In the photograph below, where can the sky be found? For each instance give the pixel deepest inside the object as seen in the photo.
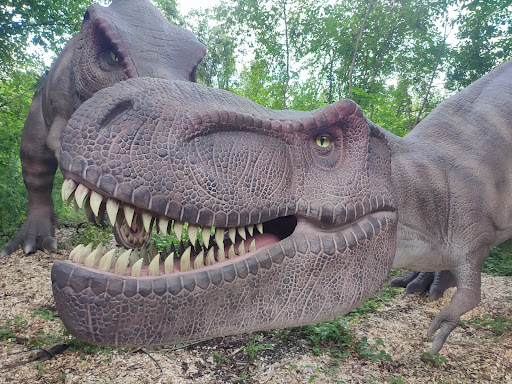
(185, 6)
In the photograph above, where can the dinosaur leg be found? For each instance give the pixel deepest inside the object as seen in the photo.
(465, 299)
(435, 283)
(38, 165)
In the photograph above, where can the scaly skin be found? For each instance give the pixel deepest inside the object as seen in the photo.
(183, 152)
(452, 181)
(130, 38)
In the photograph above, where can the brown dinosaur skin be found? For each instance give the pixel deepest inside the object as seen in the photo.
(106, 51)
(452, 182)
(211, 158)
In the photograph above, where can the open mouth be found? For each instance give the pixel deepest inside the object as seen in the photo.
(198, 246)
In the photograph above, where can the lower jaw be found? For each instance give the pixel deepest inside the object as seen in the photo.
(251, 292)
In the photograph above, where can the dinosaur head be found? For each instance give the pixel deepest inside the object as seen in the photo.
(285, 218)
(127, 39)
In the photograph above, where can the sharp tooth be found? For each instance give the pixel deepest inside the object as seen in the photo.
(146, 220)
(241, 248)
(136, 268)
(205, 234)
(163, 223)
(95, 200)
(82, 254)
(130, 239)
(122, 263)
(199, 260)
(185, 260)
(231, 251)
(142, 240)
(129, 211)
(169, 264)
(192, 233)
(112, 208)
(178, 228)
(250, 229)
(219, 237)
(153, 250)
(94, 257)
(241, 232)
(107, 260)
(154, 266)
(80, 193)
(232, 234)
(252, 246)
(221, 255)
(68, 187)
(75, 250)
(210, 257)
(125, 230)
(259, 227)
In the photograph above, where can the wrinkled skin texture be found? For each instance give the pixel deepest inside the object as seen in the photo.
(128, 39)
(211, 158)
(452, 180)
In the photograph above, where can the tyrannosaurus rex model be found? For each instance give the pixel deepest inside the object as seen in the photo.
(290, 216)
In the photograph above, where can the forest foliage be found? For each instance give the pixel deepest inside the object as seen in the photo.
(396, 58)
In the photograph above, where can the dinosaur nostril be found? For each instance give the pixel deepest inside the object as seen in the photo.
(116, 112)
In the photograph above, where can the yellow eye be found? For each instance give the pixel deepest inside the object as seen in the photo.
(323, 141)
(113, 56)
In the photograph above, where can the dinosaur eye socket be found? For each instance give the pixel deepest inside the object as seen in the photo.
(113, 56)
(323, 141)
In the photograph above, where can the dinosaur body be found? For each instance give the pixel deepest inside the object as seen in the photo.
(106, 51)
(452, 180)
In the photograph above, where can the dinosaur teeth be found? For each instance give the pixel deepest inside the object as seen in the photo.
(146, 221)
(154, 266)
(205, 234)
(241, 232)
(219, 237)
(122, 263)
(107, 260)
(68, 187)
(80, 193)
(185, 260)
(210, 257)
(250, 230)
(259, 227)
(169, 264)
(192, 233)
(252, 246)
(231, 251)
(95, 200)
(112, 208)
(241, 248)
(232, 234)
(199, 260)
(221, 255)
(136, 268)
(129, 212)
(178, 228)
(163, 223)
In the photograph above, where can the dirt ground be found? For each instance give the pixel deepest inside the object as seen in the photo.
(473, 353)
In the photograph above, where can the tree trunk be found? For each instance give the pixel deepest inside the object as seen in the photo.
(287, 80)
(427, 94)
(359, 37)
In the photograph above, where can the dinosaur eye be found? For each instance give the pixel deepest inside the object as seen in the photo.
(113, 56)
(323, 141)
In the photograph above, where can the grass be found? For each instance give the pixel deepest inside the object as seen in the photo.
(499, 262)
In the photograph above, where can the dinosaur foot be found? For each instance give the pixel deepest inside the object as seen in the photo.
(434, 283)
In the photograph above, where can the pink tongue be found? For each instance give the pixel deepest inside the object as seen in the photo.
(261, 241)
